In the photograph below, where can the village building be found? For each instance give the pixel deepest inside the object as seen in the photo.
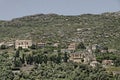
(23, 43)
(94, 64)
(107, 63)
(41, 45)
(84, 56)
(72, 47)
(81, 57)
(76, 57)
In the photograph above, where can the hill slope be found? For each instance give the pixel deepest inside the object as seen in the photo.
(103, 29)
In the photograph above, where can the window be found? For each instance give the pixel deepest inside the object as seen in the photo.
(21, 43)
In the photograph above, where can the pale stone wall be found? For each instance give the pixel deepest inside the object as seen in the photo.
(72, 46)
(23, 43)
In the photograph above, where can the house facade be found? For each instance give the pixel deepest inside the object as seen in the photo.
(72, 47)
(23, 43)
(94, 64)
(107, 62)
(41, 45)
(76, 57)
(81, 57)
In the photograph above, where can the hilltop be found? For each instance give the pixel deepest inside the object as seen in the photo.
(91, 28)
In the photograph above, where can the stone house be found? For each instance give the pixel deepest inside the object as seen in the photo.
(23, 43)
(72, 47)
(41, 45)
(107, 62)
(94, 64)
(81, 57)
(76, 57)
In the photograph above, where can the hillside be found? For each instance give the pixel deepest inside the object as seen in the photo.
(102, 29)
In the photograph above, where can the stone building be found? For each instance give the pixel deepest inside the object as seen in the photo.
(23, 43)
(81, 57)
(72, 47)
(107, 62)
(94, 64)
(76, 57)
(41, 45)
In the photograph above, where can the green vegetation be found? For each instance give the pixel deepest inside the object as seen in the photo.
(5, 67)
(103, 29)
(69, 71)
(37, 64)
(48, 63)
(49, 67)
(109, 56)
